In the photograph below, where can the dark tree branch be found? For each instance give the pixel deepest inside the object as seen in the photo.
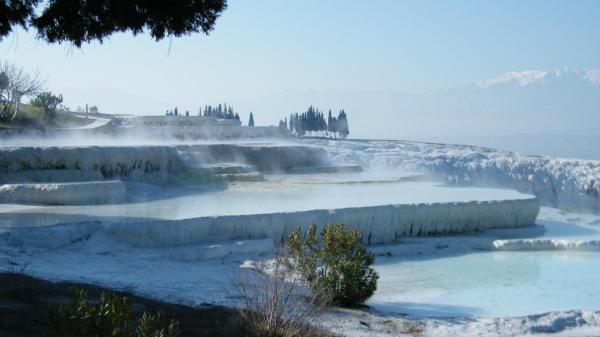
(84, 21)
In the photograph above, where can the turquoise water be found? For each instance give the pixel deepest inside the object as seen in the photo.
(494, 283)
(255, 198)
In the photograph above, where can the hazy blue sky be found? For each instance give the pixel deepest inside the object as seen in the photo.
(262, 48)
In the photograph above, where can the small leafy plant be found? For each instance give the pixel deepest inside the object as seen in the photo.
(337, 267)
(111, 317)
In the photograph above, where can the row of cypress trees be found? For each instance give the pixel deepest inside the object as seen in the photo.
(313, 122)
(219, 111)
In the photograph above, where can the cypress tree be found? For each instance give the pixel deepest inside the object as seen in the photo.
(343, 124)
(251, 120)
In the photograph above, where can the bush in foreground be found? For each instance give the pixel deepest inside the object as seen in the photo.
(337, 267)
(111, 317)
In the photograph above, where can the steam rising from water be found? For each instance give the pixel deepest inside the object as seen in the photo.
(135, 138)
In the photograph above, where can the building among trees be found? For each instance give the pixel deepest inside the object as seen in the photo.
(182, 126)
(220, 111)
(175, 120)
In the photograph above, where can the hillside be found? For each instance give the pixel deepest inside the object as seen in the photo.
(32, 117)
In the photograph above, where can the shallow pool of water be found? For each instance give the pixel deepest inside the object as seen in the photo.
(492, 283)
(495, 283)
(257, 198)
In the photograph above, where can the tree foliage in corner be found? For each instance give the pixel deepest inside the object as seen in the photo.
(84, 21)
(337, 267)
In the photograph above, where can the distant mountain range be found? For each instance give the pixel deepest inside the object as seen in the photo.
(536, 102)
(541, 77)
(534, 111)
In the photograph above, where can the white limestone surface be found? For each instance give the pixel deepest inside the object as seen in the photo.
(74, 193)
(50, 176)
(379, 224)
(182, 275)
(131, 162)
(561, 183)
(546, 244)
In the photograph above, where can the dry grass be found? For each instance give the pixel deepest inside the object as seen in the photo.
(274, 302)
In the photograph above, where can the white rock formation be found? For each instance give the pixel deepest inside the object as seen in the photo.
(50, 176)
(132, 162)
(546, 244)
(270, 158)
(76, 193)
(50, 237)
(562, 183)
(221, 250)
(379, 224)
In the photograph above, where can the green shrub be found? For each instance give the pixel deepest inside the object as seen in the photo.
(338, 267)
(111, 317)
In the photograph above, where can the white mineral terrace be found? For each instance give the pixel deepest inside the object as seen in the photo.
(271, 209)
(177, 240)
(92, 192)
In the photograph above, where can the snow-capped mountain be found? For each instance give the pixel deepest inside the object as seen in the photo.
(541, 77)
(522, 78)
(533, 104)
